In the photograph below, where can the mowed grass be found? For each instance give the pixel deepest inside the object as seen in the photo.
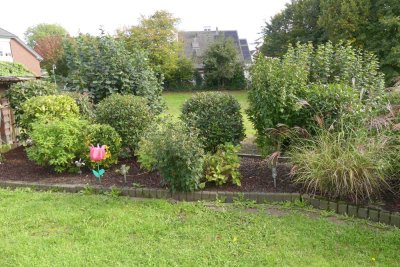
(175, 100)
(58, 229)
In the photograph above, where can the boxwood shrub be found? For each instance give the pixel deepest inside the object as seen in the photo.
(175, 150)
(217, 116)
(129, 115)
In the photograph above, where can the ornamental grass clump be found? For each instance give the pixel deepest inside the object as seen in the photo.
(337, 165)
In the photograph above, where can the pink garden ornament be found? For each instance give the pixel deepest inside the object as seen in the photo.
(97, 154)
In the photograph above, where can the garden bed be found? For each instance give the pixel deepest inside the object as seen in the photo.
(256, 177)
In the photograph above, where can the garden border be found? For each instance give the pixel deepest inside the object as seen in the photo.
(339, 207)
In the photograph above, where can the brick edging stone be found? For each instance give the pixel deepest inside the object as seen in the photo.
(373, 214)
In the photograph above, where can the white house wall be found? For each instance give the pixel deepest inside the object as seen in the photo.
(5, 50)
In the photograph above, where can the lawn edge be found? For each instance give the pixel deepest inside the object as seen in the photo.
(339, 207)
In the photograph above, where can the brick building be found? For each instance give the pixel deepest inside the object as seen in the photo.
(13, 49)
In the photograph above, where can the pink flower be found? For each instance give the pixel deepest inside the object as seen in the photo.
(97, 153)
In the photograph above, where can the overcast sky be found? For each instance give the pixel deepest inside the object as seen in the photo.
(248, 17)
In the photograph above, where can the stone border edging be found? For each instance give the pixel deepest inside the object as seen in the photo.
(372, 214)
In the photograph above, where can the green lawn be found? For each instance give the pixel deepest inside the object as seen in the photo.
(58, 229)
(175, 100)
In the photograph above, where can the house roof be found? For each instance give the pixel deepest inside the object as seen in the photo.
(6, 34)
(196, 43)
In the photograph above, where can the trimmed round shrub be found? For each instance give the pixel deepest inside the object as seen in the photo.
(103, 134)
(341, 165)
(57, 143)
(49, 107)
(217, 116)
(129, 115)
(86, 107)
(175, 150)
(22, 91)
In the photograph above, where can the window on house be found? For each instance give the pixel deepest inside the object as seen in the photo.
(8, 55)
(1, 53)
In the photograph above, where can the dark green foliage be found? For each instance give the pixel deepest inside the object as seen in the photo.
(342, 165)
(217, 116)
(222, 68)
(368, 24)
(175, 150)
(57, 143)
(182, 77)
(86, 107)
(47, 108)
(13, 69)
(103, 134)
(292, 90)
(329, 104)
(223, 165)
(129, 115)
(298, 22)
(102, 66)
(22, 91)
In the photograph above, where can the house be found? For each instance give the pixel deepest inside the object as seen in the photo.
(195, 43)
(13, 49)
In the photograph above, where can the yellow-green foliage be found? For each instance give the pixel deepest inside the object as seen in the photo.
(47, 108)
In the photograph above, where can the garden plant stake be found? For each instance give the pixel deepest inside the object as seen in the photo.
(97, 154)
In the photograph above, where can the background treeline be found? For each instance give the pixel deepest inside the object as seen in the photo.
(151, 46)
(372, 25)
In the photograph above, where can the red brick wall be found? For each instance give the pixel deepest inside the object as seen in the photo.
(22, 55)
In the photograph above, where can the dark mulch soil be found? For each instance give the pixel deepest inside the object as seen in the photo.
(256, 176)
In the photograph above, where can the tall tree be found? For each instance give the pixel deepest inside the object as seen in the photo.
(222, 64)
(35, 33)
(373, 25)
(50, 48)
(157, 35)
(298, 22)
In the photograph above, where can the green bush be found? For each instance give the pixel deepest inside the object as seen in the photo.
(57, 143)
(86, 107)
(47, 108)
(332, 103)
(175, 151)
(103, 134)
(341, 165)
(22, 91)
(103, 66)
(129, 115)
(281, 88)
(217, 116)
(223, 165)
